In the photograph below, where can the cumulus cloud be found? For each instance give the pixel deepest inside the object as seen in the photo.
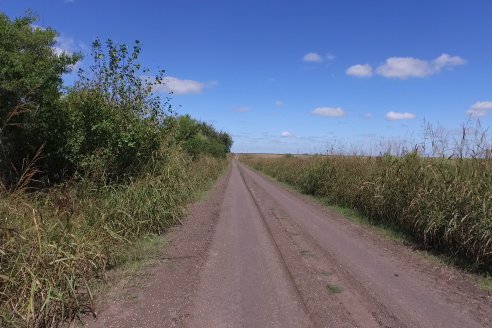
(286, 134)
(181, 87)
(329, 111)
(367, 115)
(446, 60)
(242, 109)
(407, 67)
(312, 57)
(395, 116)
(480, 108)
(279, 103)
(360, 70)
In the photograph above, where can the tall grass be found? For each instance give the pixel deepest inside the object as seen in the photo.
(56, 242)
(444, 203)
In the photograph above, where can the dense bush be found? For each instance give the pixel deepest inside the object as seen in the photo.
(201, 138)
(444, 203)
(115, 121)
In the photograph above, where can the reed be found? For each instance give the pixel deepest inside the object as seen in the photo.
(444, 203)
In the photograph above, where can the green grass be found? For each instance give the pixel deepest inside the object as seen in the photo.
(334, 289)
(306, 253)
(144, 252)
(485, 284)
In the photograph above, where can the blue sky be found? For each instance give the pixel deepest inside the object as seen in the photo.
(292, 76)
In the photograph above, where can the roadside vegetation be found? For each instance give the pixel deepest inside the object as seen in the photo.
(439, 192)
(86, 171)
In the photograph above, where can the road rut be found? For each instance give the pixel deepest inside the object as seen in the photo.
(245, 282)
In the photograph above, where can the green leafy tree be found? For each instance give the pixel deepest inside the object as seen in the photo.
(30, 87)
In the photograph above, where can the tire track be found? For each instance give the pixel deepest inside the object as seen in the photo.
(272, 238)
(317, 277)
(245, 282)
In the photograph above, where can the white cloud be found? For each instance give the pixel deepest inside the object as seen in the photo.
(407, 67)
(360, 70)
(404, 67)
(395, 116)
(312, 57)
(447, 60)
(242, 109)
(367, 115)
(286, 134)
(329, 111)
(480, 108)
(279, 103)
(181, 87)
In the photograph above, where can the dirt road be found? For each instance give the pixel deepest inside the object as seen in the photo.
(273, 258)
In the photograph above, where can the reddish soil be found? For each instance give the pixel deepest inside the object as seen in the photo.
(255, 254)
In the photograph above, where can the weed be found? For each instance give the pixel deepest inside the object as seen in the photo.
(486, 284)
(334, 289)
(307, 253)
